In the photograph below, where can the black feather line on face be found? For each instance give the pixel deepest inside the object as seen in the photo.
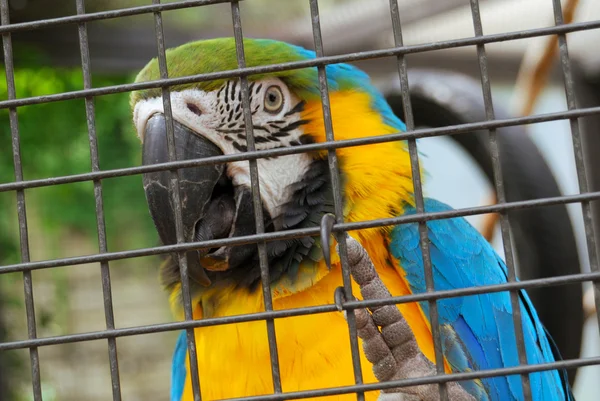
(292, 126)
(296, 109)
(306, 139)
(231, 94)
(261, 139)
(239, 147)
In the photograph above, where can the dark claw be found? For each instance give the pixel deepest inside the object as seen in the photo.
(326, 227)
(339, 297)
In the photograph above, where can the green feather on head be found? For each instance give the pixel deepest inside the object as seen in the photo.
(214, 55)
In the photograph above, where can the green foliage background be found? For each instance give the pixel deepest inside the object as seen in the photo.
(54, 142)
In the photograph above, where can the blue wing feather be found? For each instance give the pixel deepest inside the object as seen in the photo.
(477, 330)
(178, 369)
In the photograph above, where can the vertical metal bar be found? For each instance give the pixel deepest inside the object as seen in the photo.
(256, 199)
(501, 197)
(174, 189)
(337, 194)
(100, 223)
(419, 202)
(21, 207)
(586, 210)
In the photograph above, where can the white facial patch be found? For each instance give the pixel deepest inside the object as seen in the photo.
(219, 117)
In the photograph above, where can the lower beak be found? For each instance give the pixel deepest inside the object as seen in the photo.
(206, 213)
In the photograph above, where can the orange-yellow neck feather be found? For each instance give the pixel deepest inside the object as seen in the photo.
(378, 177)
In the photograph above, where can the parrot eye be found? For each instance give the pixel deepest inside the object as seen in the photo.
(273, 99)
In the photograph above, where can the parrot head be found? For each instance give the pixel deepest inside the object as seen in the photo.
(295, 190)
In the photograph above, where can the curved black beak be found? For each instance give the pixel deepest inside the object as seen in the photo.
(197, 191)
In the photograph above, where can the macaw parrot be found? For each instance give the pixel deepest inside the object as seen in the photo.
(296, 192)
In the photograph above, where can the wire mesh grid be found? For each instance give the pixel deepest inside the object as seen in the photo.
(399, 51)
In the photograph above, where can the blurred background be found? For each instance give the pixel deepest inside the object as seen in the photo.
(54, 142)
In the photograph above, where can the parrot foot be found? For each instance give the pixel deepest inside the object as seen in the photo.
(388, 342)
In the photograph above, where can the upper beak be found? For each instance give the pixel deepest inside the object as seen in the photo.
(205, 215)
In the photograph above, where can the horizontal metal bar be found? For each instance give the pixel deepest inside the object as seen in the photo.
(311, 310)
(445, 378)
(289, 234)
(105, 15)
(338, 144)
(162, 327)
(319, 61)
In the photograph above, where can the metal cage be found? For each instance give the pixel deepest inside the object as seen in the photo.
(399, 51)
